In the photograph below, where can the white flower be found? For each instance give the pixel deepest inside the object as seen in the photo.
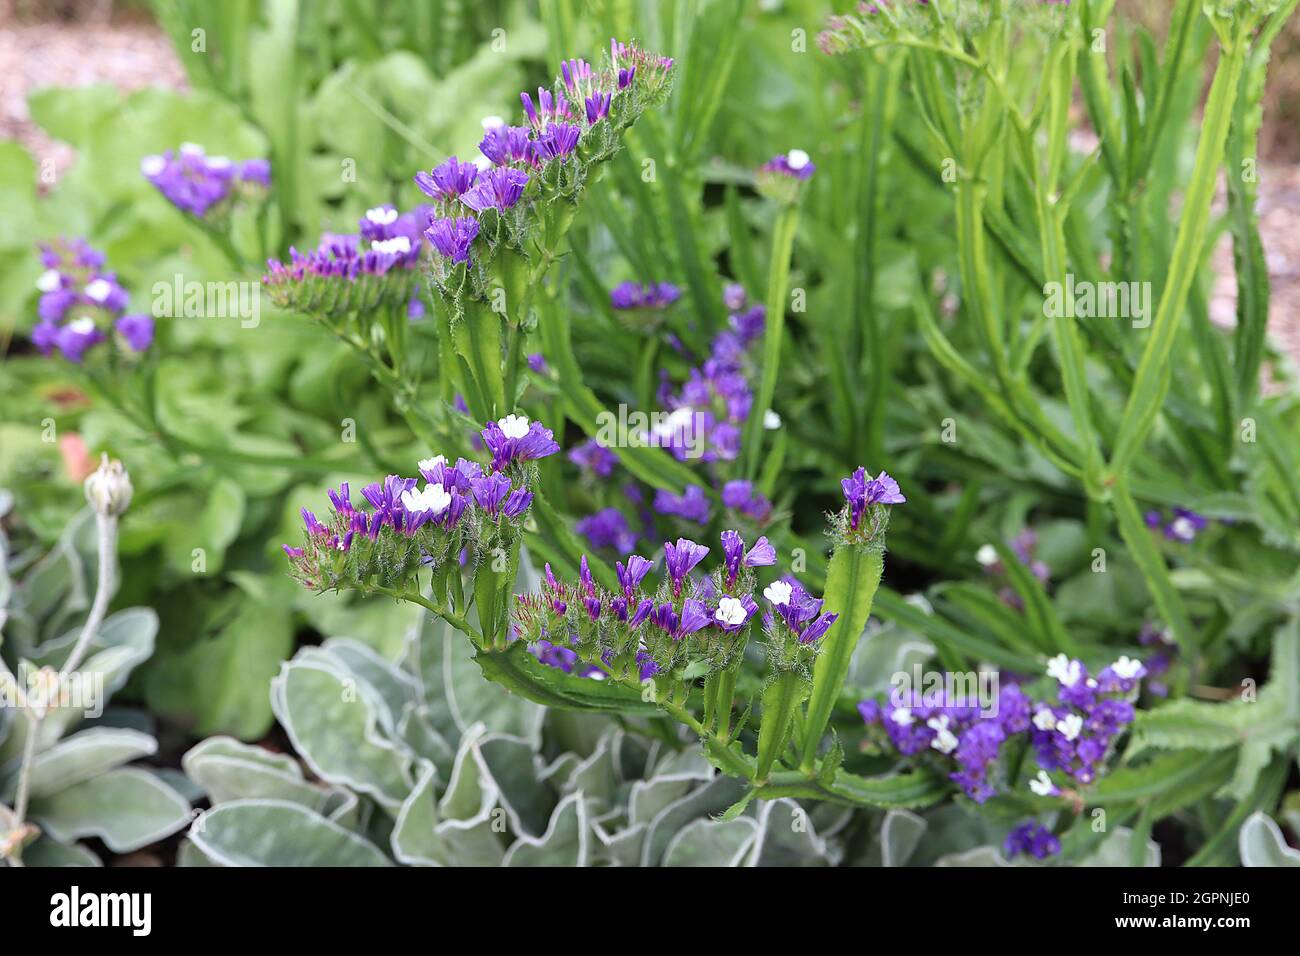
(1064, 670)
(1042, 784)
(191, 149)
(797, 159)
(1126, 668)
(901, 716)
(987, 556)
(944, 741)
(1183, 529)
(730, 611)
(82, 326)
(99, 290)
(771, 420)
(1069, 726)
(482, 163)
(1045, 719)
(219, 162)
(492, 122)
(398, 245)
(49, 281)
(151, 166)
(437, 461)
(382, 215)
(778, 592)
(433, 498)
(514, 426)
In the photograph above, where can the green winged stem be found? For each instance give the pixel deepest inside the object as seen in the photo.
(781, 699)
(851, 583)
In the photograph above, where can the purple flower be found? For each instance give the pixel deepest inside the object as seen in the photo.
(681, 558)
(453, 237)
(593, 459)
(507, 145)
(499, 188)
(191, 180)
(607, 528)
(550, 111)
(597, 107)
(256, 171)
(75, 338)
(537, 362)
(635, 295)
(137, 330)
(514, 439)
(632, 574)
(794, 164)
(692, 505)
(448, 181)
(861, 490)
(762, 554)
(557, 142)
(740, 496)
(577, 76)
(1038, 841)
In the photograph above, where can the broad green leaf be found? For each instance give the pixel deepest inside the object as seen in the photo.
(279, 833)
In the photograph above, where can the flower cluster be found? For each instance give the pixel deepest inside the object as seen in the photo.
(642, 306)
(714, 402)
(81, 304)
(1072, 736)
(569, 127)
(781, 177)
(864, 516)
(354, 273)
(204, 186)
(1182, 524)
(968, 738)
(690, 625)
(1033, 839)
(462, 510)
(1023, 546)
(1160, 661)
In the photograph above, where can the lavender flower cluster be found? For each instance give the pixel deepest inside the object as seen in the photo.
(1024, 546)
(204, 186)
(81, 303)
(691, 624)
(781, 177)
(1072, 736)
(354, 273)
(569, 127)
(1182, 524)
(864, 517)
(460, 509)
(703, 421)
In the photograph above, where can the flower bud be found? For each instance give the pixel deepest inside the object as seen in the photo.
(108, 489)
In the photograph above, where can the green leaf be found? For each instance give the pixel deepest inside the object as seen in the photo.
(1261, 843)
(565, 842)
(126, 808)
(711, 843)
(335, 730)
(229, 770)
(279, 833)
(86, 755)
